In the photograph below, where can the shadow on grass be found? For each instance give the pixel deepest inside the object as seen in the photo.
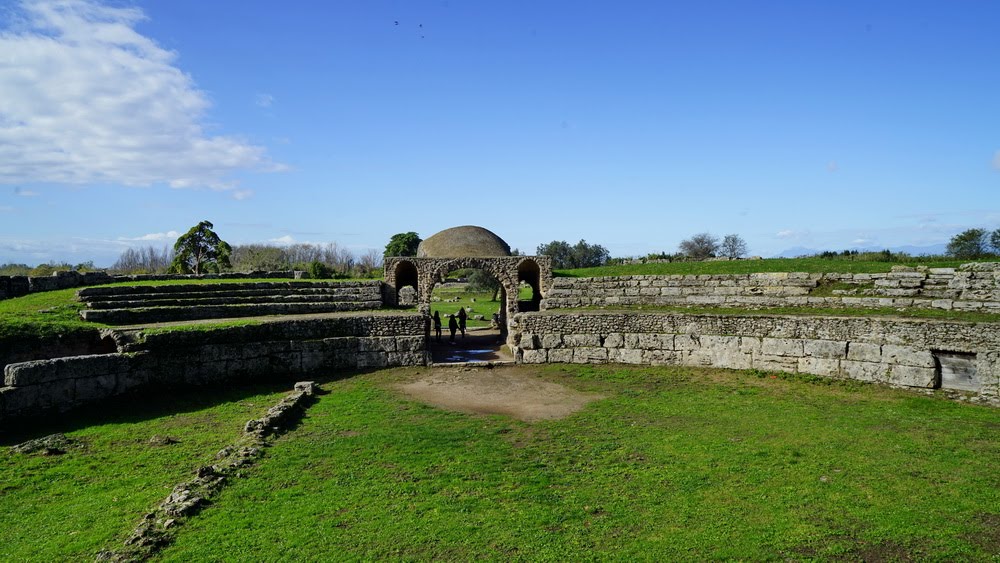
(151, 403)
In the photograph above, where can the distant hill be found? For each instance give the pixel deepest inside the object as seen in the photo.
(934, 249)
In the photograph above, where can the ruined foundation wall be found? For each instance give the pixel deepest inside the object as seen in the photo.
(974, 287)
(911, 353)
(189, 358)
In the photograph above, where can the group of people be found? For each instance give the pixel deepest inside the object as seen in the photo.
(453, 324)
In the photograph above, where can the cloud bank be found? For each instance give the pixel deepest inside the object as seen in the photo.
(87, 99)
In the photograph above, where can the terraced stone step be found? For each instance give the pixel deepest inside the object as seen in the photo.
(89, 292)
(121, 297)
(263, 299)
(188, 313)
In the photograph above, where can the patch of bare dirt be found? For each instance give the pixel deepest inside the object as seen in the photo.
(515, 392)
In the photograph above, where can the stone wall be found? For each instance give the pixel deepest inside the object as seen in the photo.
(974, 287)
(185, 358)
(911, 353)
(18, 286)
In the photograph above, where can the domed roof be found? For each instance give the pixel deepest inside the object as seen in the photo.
(463, 242)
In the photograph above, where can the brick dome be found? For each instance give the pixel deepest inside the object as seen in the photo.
(463, 242)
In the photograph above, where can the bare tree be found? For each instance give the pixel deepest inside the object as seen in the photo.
(143, 260)
(700, 246)
(733, 246)
(369, 261)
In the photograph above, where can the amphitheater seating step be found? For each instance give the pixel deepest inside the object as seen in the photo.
(163, 303)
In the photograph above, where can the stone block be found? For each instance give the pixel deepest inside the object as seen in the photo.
(824, 349)
(410, 344)
(405, 358)
(907, 356)
(552, 341)
(864, 352)
(590, 355)
(647, 341)
(864, 371)
(581, 340)
(534, 356)
(912, 376)
(372, 359)
(18, 401)
(775, 363)
(829, 367)
(529, 341)
(95, 388)
(789, 347)
(377, 344)
(624, 356)
(614, 340)
(750, 345)
(659, 357)
(631, 340)
(561, 355)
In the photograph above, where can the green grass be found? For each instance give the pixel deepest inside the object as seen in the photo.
(68, 507)
(941, 314)
(673, 464)
(481, 306)
(43, 315)
(812, 265)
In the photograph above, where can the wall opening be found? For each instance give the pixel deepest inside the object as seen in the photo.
(480, 295)
(406, 277)
(529, 281)
(956, 370)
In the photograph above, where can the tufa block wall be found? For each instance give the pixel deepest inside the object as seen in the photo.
(190, 358)
(899, 352)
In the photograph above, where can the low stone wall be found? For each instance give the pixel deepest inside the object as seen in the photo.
(18, 286)
(974, 286)
(911, 353)
(187, 358)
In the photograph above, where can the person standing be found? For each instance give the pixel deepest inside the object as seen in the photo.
(462, 316)
(437, 325)
(452, 326)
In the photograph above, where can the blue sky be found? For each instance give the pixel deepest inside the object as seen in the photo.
(824, 125)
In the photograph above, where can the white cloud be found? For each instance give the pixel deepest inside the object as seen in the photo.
(87, 99)
(264, 100)
(996, 160)
(287, 239)
(6, 208)
(169, 235)
(240, 195)
(785, 234)
(860, 241)
(25, 193)
(832, 166)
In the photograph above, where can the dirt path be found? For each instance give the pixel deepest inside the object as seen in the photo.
(516, 392)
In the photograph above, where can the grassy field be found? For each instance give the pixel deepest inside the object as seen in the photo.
(673, 464)
(480, 302)
(68, 507)
(813, 265)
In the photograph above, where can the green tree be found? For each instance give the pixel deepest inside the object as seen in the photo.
(971, 243)
(481, 280)
(403, 244)
(579, 255)
(200, 250)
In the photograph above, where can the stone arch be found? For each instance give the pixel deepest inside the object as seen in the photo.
(405, 274)
(530, 273)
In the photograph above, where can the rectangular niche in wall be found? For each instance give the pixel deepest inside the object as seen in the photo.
(957, 370)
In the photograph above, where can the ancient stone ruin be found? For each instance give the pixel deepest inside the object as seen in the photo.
(310, 328)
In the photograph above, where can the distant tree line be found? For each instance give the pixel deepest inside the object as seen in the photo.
(580, 255)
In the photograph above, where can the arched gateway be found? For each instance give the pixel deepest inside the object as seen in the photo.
(470, 247)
